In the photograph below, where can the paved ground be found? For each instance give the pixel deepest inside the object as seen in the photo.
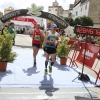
(24, 42)
(48, 94)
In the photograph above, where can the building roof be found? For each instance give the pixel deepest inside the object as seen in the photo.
(55, 6)
(1, 12)
(71, 6)
(78, 1)
(82, 1)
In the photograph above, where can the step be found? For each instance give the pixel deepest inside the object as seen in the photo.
(46, 94)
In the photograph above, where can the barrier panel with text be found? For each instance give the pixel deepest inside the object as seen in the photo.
(90, 55)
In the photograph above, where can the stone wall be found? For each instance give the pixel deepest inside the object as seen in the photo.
(94, 11)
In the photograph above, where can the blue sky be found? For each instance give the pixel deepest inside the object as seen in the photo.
(23, 4)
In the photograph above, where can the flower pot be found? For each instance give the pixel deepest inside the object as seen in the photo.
(3, 66)
(63, 61)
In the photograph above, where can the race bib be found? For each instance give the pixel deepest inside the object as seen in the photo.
(52, 38)
(37, 37)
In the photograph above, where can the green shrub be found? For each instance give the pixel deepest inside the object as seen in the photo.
(6, 53)
(63, 48)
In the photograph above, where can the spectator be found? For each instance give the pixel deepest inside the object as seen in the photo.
(12, 32)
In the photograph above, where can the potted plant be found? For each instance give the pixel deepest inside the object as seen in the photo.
(6, 53)
(63, 50)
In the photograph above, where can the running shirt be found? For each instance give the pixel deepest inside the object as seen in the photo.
(36, 37)
(52, 37)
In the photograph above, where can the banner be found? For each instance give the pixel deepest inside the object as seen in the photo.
(25, 19)
(90, 55)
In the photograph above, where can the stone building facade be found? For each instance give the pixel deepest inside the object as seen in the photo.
(94, 11)
(57, 10)
(7, 10)
(89, 8)
(1, 14)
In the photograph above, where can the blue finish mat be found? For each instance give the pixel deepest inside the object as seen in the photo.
(21, 73)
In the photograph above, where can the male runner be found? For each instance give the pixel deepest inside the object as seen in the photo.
(37, 36)
(51, 40)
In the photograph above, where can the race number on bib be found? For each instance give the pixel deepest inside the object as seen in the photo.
(37, 37)
(52, 38)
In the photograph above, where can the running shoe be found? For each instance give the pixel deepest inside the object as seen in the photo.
(46, 71)
(50, 69)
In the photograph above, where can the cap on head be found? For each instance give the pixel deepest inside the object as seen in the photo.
(53, 25)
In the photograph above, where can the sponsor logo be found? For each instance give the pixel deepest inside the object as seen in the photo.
(88, 53)
(53, 17)
(11, 15)
(35, 10)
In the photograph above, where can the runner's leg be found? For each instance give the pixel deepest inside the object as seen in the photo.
(46, 62)
(37, 49)
(34, 54)
(53, 56)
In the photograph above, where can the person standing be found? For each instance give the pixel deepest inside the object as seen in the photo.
(37, 36)
(51, 40)
(12, 31)
(3, 29)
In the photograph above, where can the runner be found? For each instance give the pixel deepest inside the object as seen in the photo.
(37, 36)
(51, 40)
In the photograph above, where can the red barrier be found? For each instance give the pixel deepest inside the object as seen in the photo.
(71, 42)
(76, 44)
(91, 54)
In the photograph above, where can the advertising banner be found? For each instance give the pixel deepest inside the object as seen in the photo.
(25, 19)
(90, 55)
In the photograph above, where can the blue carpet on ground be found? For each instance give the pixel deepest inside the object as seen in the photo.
(21, 73)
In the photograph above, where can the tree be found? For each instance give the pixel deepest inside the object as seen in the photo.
(70, 21)
(86, 21)
(66, 19)
(77, 21)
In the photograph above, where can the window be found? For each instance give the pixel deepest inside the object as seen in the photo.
(76, 13)
(81, 9)
(49, 9)
(55, 9)
(86, 7)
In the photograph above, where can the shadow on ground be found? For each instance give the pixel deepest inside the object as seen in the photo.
(84, 98)
(61, 67)
(31, 71)
(3, 74)
(48, 87)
